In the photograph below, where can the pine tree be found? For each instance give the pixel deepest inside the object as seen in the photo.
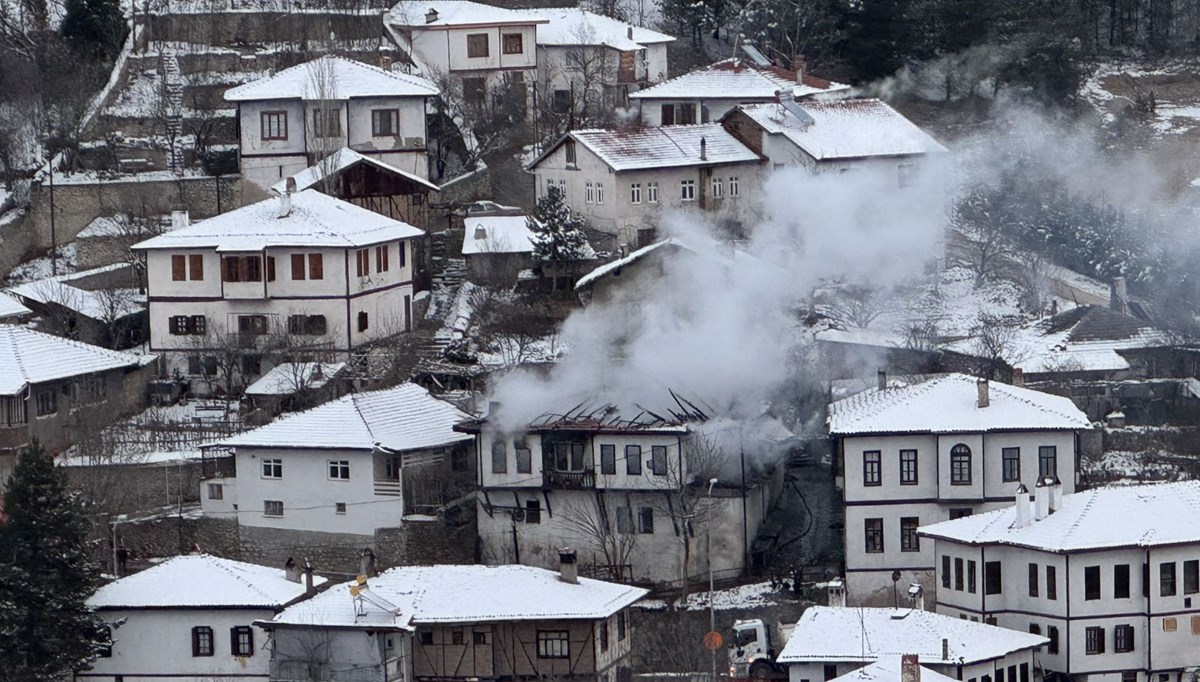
(46, 630)
(557, 231)
(94, 28)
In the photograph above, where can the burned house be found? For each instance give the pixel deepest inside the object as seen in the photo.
(636, 495)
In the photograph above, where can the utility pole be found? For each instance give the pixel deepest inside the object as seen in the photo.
(712, 613)
(53, 232)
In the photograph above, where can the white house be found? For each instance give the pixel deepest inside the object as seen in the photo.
(342, 467)
(834, 136)
(497, 246)
(938, 449)
(622, 180)
(301, 274)
(833, 641)
(707, 94)
(1111, 576)
(191, 618)
(290, 120)
(459, 623)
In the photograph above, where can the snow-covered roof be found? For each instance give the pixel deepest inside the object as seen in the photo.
(1128, 516)
(633, 257)
(11, 307)
(110, 303)
(286, 378)
(496, 234)
(315, 220)
(333, 78)
(340, 161)
(457, 13)
(740, 80)
(845, 129)
(830, 633)
(572, 26)
(887, 669)
(667, 147)
(462, 594)
(948, 404)
(403, 418)
(29, 357)
(199, 581)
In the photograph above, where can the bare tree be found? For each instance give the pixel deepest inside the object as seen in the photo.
(987, 246)
(682, 494)
(995, 342)
(589, 520)
(860, 304)
(113, 308)
(325, 118)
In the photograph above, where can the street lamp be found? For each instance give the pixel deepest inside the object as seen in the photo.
(712, 614)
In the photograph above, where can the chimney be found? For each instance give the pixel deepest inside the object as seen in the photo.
(881, 377)
(629, 33)
(480, 232)
(1021, 505)
(799, 64)
(1041, 500)
(1055, 495)
(568, 570)
(981, 385)
(1119, 299)
(431, 16)
(916, 593)
(285, 199)
(366, 563)
(1018, 376)
(308, 579)
(910, 670)
(703, 150)
(945, 649)
(291, 571)
(837, 593)
(179, 219)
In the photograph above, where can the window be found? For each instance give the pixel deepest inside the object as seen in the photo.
(652, 192)
(1091, 583)
(298, 269)
(273, 125)
(188, 324)
(456, 637)
(960, 574)
(426, 638)
(1169, 625)
(364, 322)
(533, 511)
(599, 192)
(252, 325)
(339, 469)
(327, 122)
(1123, 639)
(206, 365)
(1121, 581)
(241, 641)
(717, 186)
(1047, 461)
(1166, 579)
(608, 459)
(1051, 583)
(733, 186)
(829, 671)
(667, 117)
(658, 460)
(971, 584)
(553, 644)
(908, 467)
(946, 571)
(1033, 580)
(569, 151)
(1094, 640)
(385, 122)
(909, 542)
(202, 641)
(635, 193)
(633, 460)
(479, 637)
(960, 465)
(687, 190)
(310, 325)
(242, 269)
(477, 45)
(1052, 635)
(1010, 459)
(178, 268)
(1195, 625)
(569, 457)
(589, 195)
(871, 468)
(272, 468)
(1035, 629)
(401, 254)
(381, 258)
(1191, 576)
(524, 459)
(216, 491)
(602, 631)
(646, 236)
(874, 536)
(362, 262)
(991, 578)
(47, 403)
(514, 43)
(499, 457)
(959, 512)
(1128, 676)
(474, 91)
(339, 507)
(272, 507)
(621, 626)
(646, 520)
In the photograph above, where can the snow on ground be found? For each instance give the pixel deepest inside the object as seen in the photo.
(160, 434)
(733, 598)
(1120, 467)
(1114, 87)
(40, 267)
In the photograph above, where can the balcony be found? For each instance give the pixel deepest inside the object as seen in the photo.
(388, 488)
(570, 480)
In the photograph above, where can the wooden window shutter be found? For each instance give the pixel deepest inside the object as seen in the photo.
(178, 268)
(316, 266)
(196, 265)
(297, 266)
(231, 269)
(233, 641)
(270, 268)
(195, 641)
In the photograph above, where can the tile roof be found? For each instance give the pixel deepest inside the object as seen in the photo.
(947, 404)
(496, 234)
(737, 79)
(666, 147)
(1128, 516)
(456, 13)
(887, 669)
(340, 161)
(845, 129)
(573, 26)
(830, 633)
(463, 594)
(200, 580)
(632, 258)
(333, 78)
(29, 357)
(287, 377)
(403, 418)
(107, 303)
(315, 220)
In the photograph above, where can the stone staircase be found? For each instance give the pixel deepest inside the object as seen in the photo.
(172, 83)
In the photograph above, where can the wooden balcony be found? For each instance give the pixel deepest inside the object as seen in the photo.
(569, 480)
(388, 488)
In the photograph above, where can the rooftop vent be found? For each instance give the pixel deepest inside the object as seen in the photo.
(431, 16)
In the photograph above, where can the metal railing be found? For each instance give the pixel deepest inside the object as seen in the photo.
(570, 480)
(388, 488)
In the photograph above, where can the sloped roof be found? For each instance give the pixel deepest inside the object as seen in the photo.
(1128, 516)
(829, 633)
(199, 581)
(666, 147)
(403, 418)
(887, 669)
(11, 307)
(574, 26)
(315, 220)
(463, 594)
(947, 404)
(737, 79)
(457, 13)
(500, 234)
(632, 258)
(846, 129)
(333, 78)
(100, 304)
(29, 357)
(340, 161)
(287, 377)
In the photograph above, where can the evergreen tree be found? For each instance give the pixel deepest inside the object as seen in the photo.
(46, 630)
(94, 28)
(557, 231)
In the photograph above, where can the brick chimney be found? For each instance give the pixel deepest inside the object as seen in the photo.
(703, 150)
(568, 569)
(366, 563)
(291, 571)
(881, 379)
(984, 398)
(910, 669)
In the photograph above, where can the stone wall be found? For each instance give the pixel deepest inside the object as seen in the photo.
(225, 28)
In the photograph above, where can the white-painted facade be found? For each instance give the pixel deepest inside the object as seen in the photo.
(297, 652)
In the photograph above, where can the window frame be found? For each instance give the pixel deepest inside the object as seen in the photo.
(909, 540)
(553, 644)
(608, 459)
(1035, 572)
(733, 185)
(507, 38)
(268, 505)
(204, 641)
(1122, 581)
(635, 193)
(338, 469)
(1168, 575)
(993, 578)
(909, 467)
(687, 190)
(1052, 457)
(1051, 582)
(1093, 637)
(658, 460)
(389, 115)
(238, 646)
(1123, 638)
(633, 464)
(652, 192)
(872, 468)
(1092, 590)
(1013, 476)
(960, 464)
(265, 119)
(474, 42)
(873, 536)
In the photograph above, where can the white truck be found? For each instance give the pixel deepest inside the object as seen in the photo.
(752, 649)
